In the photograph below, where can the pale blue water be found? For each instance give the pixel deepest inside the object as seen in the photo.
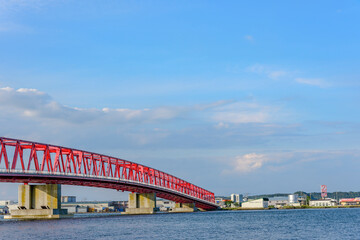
(271, 224)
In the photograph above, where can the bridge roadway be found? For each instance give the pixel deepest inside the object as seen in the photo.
(33, 162)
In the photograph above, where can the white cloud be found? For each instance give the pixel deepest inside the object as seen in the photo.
(268, 71)
(9, 9)
(8, 89)
(241, 117)
(241, 112)
(276, 74)
(33, 103)
(34, 115)
(14, 28)
(40, 106)
(249, 162)
(7, 6)
(28, 90)
(286, 160)
(312, 81)
(257, 68)
(222, 125)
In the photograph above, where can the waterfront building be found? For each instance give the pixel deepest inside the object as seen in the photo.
(302, 200)
(6, 206)
(4, 209)
(95, 206)
(236, 198)
(70, 209)
(164, 205)
(278, 202)
(327, 202)
(80, 209)
(349, 201)
(293, 198)
(75, 209)
(220, 201)
(68, 199)
(6, 202)
(258, 203)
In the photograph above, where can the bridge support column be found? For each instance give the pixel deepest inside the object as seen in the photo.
(141, 203)
(39, 202)
(183, 207)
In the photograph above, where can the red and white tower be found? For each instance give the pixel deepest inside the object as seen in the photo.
(323, 191)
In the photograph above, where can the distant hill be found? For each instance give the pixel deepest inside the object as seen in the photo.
(313, 195)
(269, 195)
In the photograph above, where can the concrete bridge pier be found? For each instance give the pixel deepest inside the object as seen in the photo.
(184, 207)
(39, 202)
(141, 203)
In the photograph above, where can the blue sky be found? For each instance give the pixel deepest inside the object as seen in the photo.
(254, 97)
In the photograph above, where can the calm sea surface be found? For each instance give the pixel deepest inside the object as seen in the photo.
(271, 224)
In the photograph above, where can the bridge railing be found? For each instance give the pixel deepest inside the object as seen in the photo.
(25, 157)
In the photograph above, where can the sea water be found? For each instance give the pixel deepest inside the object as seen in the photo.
(266, 224)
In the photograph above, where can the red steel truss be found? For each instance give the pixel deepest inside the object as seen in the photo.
(32, 162)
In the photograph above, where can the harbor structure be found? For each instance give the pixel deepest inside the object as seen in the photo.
(293, 198)
(349, 201)
(236, 198)
(278, 202)
(67, 199)
(165, 205)
(326, 202)
(257, 203)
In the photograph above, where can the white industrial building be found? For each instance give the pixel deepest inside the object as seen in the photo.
(81, 207)
(6, 206)
(4, 209)
(6, 202)
(278, 202)
(327, 202)
(258, 203)
(220, 201)
(293, 198)
(236, 198)
(164, 205)
(68, 199)
(75, 209)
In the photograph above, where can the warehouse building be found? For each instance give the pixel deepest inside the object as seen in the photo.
(95, 206)
(258, 203)
(164, 205)
(327, 202)
(349, 201)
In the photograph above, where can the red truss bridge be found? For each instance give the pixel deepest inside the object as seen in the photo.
(31, 162)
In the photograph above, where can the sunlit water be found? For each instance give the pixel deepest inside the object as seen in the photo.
(271, 224)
